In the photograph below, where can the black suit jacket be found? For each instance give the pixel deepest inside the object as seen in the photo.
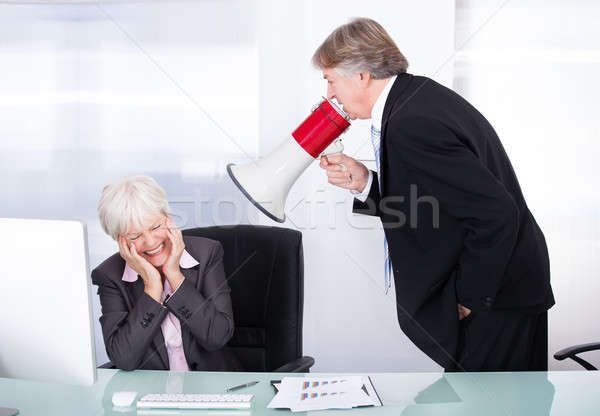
(456, 222)
(131, 319)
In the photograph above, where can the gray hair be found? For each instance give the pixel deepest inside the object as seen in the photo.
(130, 200)
(362, 45)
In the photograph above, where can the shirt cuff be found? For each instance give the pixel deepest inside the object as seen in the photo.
(362, 196)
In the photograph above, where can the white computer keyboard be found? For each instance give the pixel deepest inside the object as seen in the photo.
(195, 401)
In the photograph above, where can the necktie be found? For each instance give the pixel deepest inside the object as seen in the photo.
(376, 140)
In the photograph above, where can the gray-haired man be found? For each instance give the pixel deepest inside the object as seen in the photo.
(458, 231)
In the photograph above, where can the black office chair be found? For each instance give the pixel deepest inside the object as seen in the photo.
(265, 270)
(571, 352)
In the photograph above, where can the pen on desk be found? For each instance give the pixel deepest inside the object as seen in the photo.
(241, 386)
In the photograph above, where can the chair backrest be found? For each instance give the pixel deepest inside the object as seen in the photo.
(265, 270)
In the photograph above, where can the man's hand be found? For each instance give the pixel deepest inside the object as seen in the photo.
(170, 268)
(345, 172)
(150, 275)
(463, 312)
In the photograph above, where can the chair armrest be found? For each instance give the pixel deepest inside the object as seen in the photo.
(107, 365)
(300, 365)
(570, 352)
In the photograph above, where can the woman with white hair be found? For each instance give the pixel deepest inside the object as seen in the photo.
(165, 300)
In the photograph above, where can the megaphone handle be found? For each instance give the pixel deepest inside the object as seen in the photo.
(335, 148)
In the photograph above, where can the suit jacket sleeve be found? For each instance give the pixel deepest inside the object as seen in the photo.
(444, 167)
(371, 204)
(127, 334)
(206, 310)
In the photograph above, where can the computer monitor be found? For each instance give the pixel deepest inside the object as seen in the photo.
(46, 327)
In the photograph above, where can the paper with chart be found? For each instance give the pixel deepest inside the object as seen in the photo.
(318, 393)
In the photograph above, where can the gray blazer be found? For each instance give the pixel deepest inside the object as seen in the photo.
(131, 319)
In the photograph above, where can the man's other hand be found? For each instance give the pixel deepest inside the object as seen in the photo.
(463, 312)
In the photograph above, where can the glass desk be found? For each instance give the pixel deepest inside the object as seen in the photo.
(488, 394)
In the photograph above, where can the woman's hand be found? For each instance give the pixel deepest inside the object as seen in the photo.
(150, 275)
(170, 267)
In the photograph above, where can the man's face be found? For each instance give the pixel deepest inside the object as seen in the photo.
(350, 92)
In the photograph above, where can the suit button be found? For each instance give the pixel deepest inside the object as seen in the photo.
(488, 301)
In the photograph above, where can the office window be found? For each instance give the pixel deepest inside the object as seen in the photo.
(92, 92)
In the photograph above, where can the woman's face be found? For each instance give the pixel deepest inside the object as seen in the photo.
(151, 241)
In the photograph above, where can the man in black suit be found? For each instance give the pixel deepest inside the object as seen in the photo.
(470, 264)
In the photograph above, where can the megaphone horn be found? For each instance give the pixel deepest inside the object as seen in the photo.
(267, 182)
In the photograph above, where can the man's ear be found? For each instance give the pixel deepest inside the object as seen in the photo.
(365, 78)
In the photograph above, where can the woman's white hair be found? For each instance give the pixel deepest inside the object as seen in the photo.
(130, 201)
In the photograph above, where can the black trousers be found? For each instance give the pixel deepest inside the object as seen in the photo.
(503, 340)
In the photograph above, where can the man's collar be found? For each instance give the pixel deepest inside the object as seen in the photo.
(377, 111)
(400, 92)
(186, 262)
